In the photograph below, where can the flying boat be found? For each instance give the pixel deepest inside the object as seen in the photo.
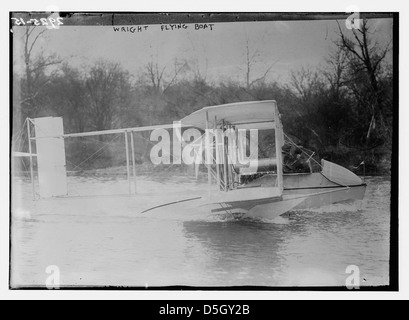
(272, 183)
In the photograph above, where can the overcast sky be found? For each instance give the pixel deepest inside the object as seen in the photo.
(218, 53)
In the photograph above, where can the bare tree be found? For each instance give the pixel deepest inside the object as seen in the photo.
(307, 83)
(335, 71)
(159, 79)
(252, 57)
(155, 75)
(178, 68)
(70, 96)
(35, 79)
(106, 84)
(199, 74)
(366, 55)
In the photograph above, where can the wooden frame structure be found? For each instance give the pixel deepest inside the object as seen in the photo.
(259, 114)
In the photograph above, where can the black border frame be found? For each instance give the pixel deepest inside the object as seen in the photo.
(145, 18)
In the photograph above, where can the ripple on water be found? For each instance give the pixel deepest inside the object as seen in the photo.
(106, 241)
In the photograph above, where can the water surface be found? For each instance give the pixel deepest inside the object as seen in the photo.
(104, 240)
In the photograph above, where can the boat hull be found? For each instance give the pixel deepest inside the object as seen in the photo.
(261, 199)
(318, 197)
(304, 199)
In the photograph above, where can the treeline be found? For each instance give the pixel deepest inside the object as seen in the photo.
(342, 109)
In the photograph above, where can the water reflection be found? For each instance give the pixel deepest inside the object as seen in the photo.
(244, 252)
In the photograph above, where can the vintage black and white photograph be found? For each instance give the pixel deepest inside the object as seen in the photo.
(202, 150)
